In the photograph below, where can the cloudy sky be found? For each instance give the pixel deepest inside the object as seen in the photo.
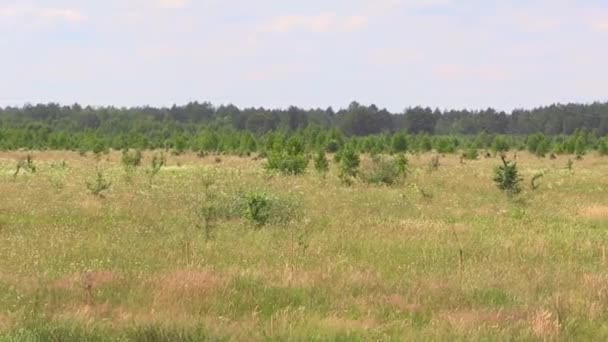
(313, 53)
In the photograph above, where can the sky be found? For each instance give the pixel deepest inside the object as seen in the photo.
(448, 54)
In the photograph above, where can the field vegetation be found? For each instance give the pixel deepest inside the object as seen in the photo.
(357, 240)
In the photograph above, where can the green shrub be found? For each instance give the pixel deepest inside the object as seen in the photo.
(603, 147)
(157, 163)
(506, 177)
(288, 158)
(262, 208)
(349, 164)
(383, 172)
(402, 164)
(99, 185)
(292, 164)
(131, 158)
(470, 154)
(321, 162)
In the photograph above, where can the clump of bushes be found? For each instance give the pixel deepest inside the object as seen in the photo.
(289, 159)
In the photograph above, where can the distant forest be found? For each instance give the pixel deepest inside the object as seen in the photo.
(55, 126)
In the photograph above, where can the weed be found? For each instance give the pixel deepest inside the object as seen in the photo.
(434, 163)
(535, 181)
(26, 164)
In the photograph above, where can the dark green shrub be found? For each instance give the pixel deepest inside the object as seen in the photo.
(262, 208)
(321, 162)
(284, 162)
(349, 164)
(602, 147)
(506, 177)
(402, 164)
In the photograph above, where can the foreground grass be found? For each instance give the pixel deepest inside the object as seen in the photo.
(444, 256)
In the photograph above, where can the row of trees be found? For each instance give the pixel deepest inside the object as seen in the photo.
(310, 139)
(355, 120)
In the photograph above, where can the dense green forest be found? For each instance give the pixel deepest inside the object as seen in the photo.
(202, 127)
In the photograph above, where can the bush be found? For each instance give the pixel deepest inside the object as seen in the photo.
(99, 185)
(402, 164)
(506, 177)
(289, 159)
(349, 164)
(603, 147)
(383, 171)
(321, 163)
(470, 154)
(158, 161)
(292, 164)
(262, 208)
(131, 158)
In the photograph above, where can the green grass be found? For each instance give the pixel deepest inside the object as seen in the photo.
(358, 262)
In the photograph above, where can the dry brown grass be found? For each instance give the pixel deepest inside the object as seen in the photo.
(475, 318)
(87, 280)
(545, 324)
(597, 212)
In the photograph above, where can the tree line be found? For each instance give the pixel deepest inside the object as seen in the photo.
(206, 128)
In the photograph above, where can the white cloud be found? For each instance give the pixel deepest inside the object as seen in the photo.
(395, 56)
(173, 3)
(14, 14)
(324, 22)
(600, 24)
(458, 72)
(536, 23)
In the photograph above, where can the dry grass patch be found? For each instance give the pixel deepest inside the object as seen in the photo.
(402, 304)
(471, 319)
(545, 324)
(88, 280)
(597, 212)
(345, 324)
(185, 285)
(5, 322)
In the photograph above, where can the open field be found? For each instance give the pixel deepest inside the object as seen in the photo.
(444, 256)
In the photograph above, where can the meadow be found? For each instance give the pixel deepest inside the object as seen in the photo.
(442, 255)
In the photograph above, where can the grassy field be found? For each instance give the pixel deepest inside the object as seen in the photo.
(444, 256)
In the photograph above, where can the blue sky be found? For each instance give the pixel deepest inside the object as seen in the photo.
(313, 53)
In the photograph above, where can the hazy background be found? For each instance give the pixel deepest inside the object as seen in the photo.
(314, 53)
